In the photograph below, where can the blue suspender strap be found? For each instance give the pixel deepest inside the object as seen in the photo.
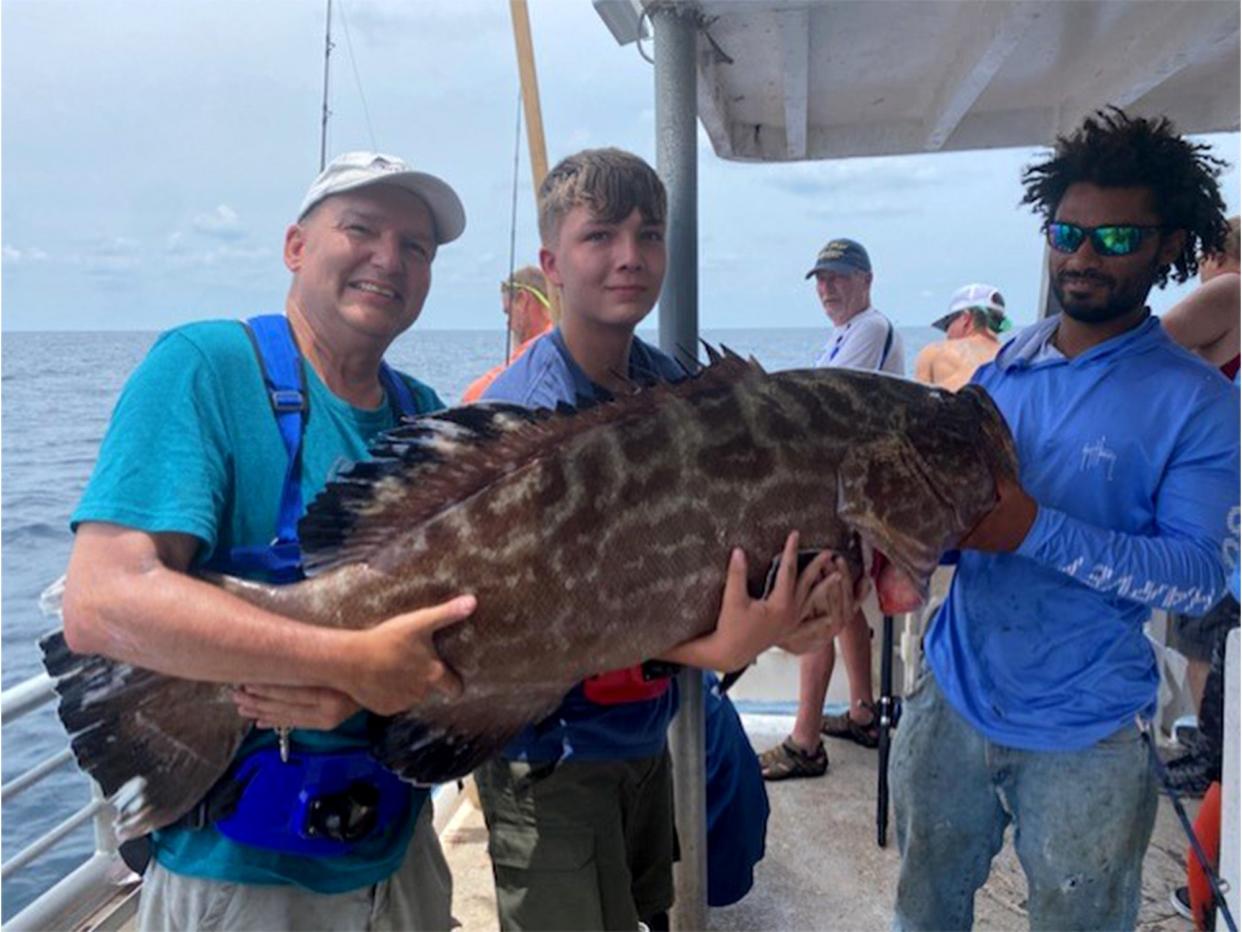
(286, 390)
(400, 398)
(285, 382)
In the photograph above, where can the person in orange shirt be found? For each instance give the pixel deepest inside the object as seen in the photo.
(524, 300)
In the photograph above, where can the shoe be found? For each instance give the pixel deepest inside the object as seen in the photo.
(1186, 731)
(1188, 776)
(787, 761)
(1180, 898)
(842, 726)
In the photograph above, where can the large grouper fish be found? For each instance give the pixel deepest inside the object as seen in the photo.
(594, 538)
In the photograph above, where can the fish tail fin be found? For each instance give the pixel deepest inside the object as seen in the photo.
(154, 744)
(52, 599)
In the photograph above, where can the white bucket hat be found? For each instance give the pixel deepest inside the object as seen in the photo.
(355, 170)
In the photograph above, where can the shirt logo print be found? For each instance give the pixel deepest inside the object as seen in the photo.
(1098, 456)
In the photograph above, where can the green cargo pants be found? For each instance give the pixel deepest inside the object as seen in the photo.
(579, 845)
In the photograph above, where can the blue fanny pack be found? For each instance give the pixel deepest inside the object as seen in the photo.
(313, 804)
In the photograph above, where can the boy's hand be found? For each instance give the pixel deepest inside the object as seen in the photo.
(828, 604)
(746, 627)
(394, 665)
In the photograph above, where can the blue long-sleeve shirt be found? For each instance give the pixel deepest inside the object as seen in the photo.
(1131, 451)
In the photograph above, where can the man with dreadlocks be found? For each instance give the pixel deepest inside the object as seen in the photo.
(1037, 665)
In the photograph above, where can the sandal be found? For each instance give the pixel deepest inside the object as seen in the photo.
(842, 726)
(787, 760)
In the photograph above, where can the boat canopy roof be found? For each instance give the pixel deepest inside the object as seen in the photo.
(786, 80)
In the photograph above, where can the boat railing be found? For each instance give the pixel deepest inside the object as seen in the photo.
(103, 876)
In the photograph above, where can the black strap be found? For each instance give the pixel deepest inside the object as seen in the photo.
(888, 345)
(219, 802)
(656, 669)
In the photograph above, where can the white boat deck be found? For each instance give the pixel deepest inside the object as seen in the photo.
(823, 869)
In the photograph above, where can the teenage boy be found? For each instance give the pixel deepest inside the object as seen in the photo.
(580, 806)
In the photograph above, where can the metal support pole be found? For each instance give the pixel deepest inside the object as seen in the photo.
(676, 28)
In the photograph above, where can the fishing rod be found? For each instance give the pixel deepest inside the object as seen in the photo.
(509, 290)
(327, 55)
(1218, 892)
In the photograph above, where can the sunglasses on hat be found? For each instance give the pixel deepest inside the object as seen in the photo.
(1113, 240)
(510, 287)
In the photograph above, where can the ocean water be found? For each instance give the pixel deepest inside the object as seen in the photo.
(58, 390)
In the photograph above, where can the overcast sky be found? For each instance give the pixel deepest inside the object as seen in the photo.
(153, 153)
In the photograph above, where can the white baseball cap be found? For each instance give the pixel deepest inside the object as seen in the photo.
(355, 170)
(976, 295)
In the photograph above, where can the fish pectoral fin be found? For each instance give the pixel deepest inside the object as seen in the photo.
(884, 495)
(154, 744)
(434, 744)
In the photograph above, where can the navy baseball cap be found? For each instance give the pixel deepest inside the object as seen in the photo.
(841, 255)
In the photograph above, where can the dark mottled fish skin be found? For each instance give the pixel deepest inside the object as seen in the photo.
(593, 539)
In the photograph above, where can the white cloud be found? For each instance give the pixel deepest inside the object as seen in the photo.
(109, 257)
(222, 223)
(224, 254)
(14, 256)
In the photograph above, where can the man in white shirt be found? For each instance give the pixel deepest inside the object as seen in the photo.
(861, 338)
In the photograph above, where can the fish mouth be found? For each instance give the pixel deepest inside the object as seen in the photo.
(896, 590)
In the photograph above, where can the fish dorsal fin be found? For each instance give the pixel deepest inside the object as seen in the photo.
(338, 520)
(430, 463)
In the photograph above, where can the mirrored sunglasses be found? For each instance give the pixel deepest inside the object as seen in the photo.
(1114, 240)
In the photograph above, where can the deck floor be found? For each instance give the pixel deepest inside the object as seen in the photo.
(823, 869)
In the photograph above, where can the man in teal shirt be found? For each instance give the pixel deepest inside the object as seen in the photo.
(193, 466)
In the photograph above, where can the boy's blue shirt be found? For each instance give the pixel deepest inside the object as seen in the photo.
(542, 377)
(193, 448)
(1131, 452)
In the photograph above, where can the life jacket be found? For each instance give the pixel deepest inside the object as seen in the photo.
(638, 683)
(322, 803)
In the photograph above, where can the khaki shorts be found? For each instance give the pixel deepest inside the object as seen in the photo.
(419, 896)
(579, 845)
